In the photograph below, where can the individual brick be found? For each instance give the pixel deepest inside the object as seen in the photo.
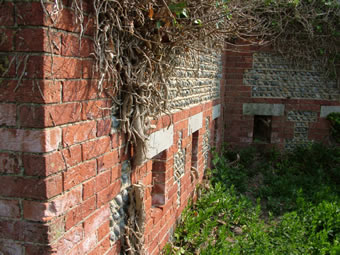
(8, 114)
(30, 140)
(79, 174)
(79, 133)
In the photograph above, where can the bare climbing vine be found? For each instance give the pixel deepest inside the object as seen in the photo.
(134, 229)
(137, 43)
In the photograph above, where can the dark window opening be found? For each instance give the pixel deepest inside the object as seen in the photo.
(194, 152)
(262, 129)
(158, 179)
(215, 132)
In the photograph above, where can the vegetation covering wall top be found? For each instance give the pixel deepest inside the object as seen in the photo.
(137, 41)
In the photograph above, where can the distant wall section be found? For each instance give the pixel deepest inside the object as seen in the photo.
(260, 83)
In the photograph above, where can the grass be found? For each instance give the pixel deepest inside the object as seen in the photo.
(266, 203)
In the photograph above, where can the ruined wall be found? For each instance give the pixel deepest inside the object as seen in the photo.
(264, 87)
(64, 175)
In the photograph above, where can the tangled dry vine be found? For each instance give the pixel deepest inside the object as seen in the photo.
(137, 43)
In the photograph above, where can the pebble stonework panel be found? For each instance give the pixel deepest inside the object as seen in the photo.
(272, 76)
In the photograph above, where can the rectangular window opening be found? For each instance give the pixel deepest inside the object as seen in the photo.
(262, 129)
(215, 132)
(194, 152)
(158, 178)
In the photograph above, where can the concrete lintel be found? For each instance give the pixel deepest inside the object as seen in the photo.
(160, 141)
(216, 112)
(325, 110)
(264, 109)
(195, 123)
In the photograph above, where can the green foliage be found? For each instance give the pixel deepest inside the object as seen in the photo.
(4, 64)
(334, 119)
(293, 209)
(180, 9)
(315, 169)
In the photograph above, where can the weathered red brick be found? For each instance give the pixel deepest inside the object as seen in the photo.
(117, 140)
(79, 90)
(40, 211)
(115, 249)
(56, 228)
(79, 213)
(89, 188)
(92, 223)
(62, 67)
(31, 187)
(108, 160)
(8, 69)
(72, 155)
(44, 40)
(79, 133)
(96, 109)
(89, 241)
(30, 13)
(107, 194)
(103, 180)
(65, 21)
(43, 165)
(9, 208)
(33, 249)
(11, 248)
(30, 140)
(95, 148)
(80, 173)
(49, 115)
(88, 70)
(90, 24)
(7, 14)
(6, 41)
(116, 173)
(102, 247)
(23, 231)
(49, 67)
(31, 91)
(103, 127)
(9, 163)
(103, 230)
(24, 40)
(73, 47)
(8, 114)
(69, 240)
(87, 47)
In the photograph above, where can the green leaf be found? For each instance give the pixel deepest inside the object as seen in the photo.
(179, 9)
(198, 22)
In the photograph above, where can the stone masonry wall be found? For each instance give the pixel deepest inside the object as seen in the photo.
(259, 82)
(64, 175)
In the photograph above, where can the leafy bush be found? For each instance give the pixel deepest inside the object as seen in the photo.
(334, 119)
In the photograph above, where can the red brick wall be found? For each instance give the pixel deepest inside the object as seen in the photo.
(60, 164)
(239, 127)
